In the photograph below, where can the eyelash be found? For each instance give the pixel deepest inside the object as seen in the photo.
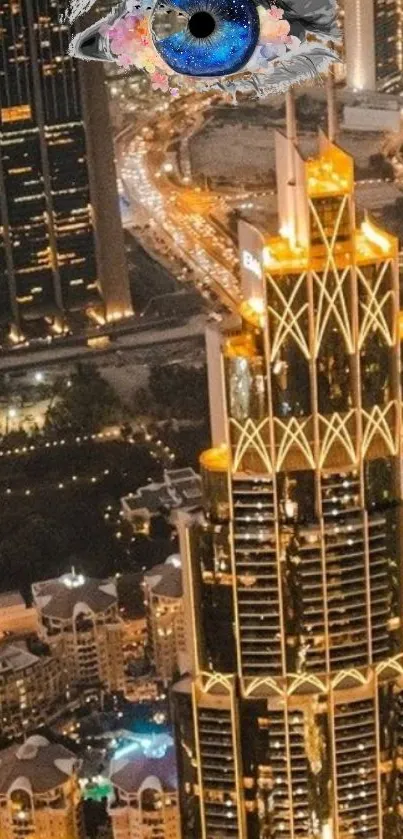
(273, 51)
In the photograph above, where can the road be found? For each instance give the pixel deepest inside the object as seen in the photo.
(193, 329)
(180, 219)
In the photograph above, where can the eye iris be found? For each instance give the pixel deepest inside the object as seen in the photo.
(201, 25)
(205, 37)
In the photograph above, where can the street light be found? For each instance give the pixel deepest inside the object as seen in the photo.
(10, 414)
(38, 376)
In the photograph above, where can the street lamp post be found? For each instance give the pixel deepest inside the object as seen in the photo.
(11, 413)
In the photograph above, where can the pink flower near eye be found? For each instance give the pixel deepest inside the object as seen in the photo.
(124, 61)
(276, 13)
(273, 29)
(119, 29)
(159, 82)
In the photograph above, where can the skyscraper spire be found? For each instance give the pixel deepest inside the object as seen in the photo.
(331, 107)
(291, 132)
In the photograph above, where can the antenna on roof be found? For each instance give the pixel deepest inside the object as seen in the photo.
(291, 132)
(291, 118)
(331, 107)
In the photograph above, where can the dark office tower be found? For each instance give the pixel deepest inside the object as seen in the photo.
(61, 246)
(373, 35)
(291, 724)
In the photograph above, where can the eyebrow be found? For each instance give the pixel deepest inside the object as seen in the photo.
(77, 8)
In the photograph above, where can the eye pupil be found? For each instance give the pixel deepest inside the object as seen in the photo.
(201, 25)
(185, 43)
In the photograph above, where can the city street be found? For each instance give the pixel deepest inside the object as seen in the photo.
(179, 218)
(135, 340)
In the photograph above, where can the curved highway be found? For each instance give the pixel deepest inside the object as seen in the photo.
(180, 217)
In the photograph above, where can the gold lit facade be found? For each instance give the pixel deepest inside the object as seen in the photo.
(291, 725)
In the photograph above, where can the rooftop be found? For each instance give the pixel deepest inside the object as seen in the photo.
(165, 580)
(63, 596)
(181, 488)
(370, 244)
(331, 172)
(131, 595)
(137, 770)
(15, 656)
(37, 766)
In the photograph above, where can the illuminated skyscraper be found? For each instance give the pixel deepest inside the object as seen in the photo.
(61, 243)
(291, 722)
(373, 31)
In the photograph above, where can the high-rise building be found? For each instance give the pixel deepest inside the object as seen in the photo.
(32, 686)
(373, 37)
(61, 242)
(145, 803)
(79, 620)
(39, 792)
(165, 619)
(291, 722)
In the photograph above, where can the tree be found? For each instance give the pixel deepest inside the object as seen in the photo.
(85, 404)
(34, 549)
(160, 528)
(15, 438)
(182, 391)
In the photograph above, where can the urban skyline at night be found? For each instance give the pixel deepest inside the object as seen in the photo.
(200, 422)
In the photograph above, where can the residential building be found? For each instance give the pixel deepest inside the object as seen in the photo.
(79, 620)
(165, 618)
(32, 685)
(145, 796)
(39, 792)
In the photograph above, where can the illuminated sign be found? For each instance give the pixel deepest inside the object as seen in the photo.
(251, 244)
(252, 264)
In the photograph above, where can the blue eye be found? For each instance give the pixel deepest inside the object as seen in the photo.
(205, 37)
